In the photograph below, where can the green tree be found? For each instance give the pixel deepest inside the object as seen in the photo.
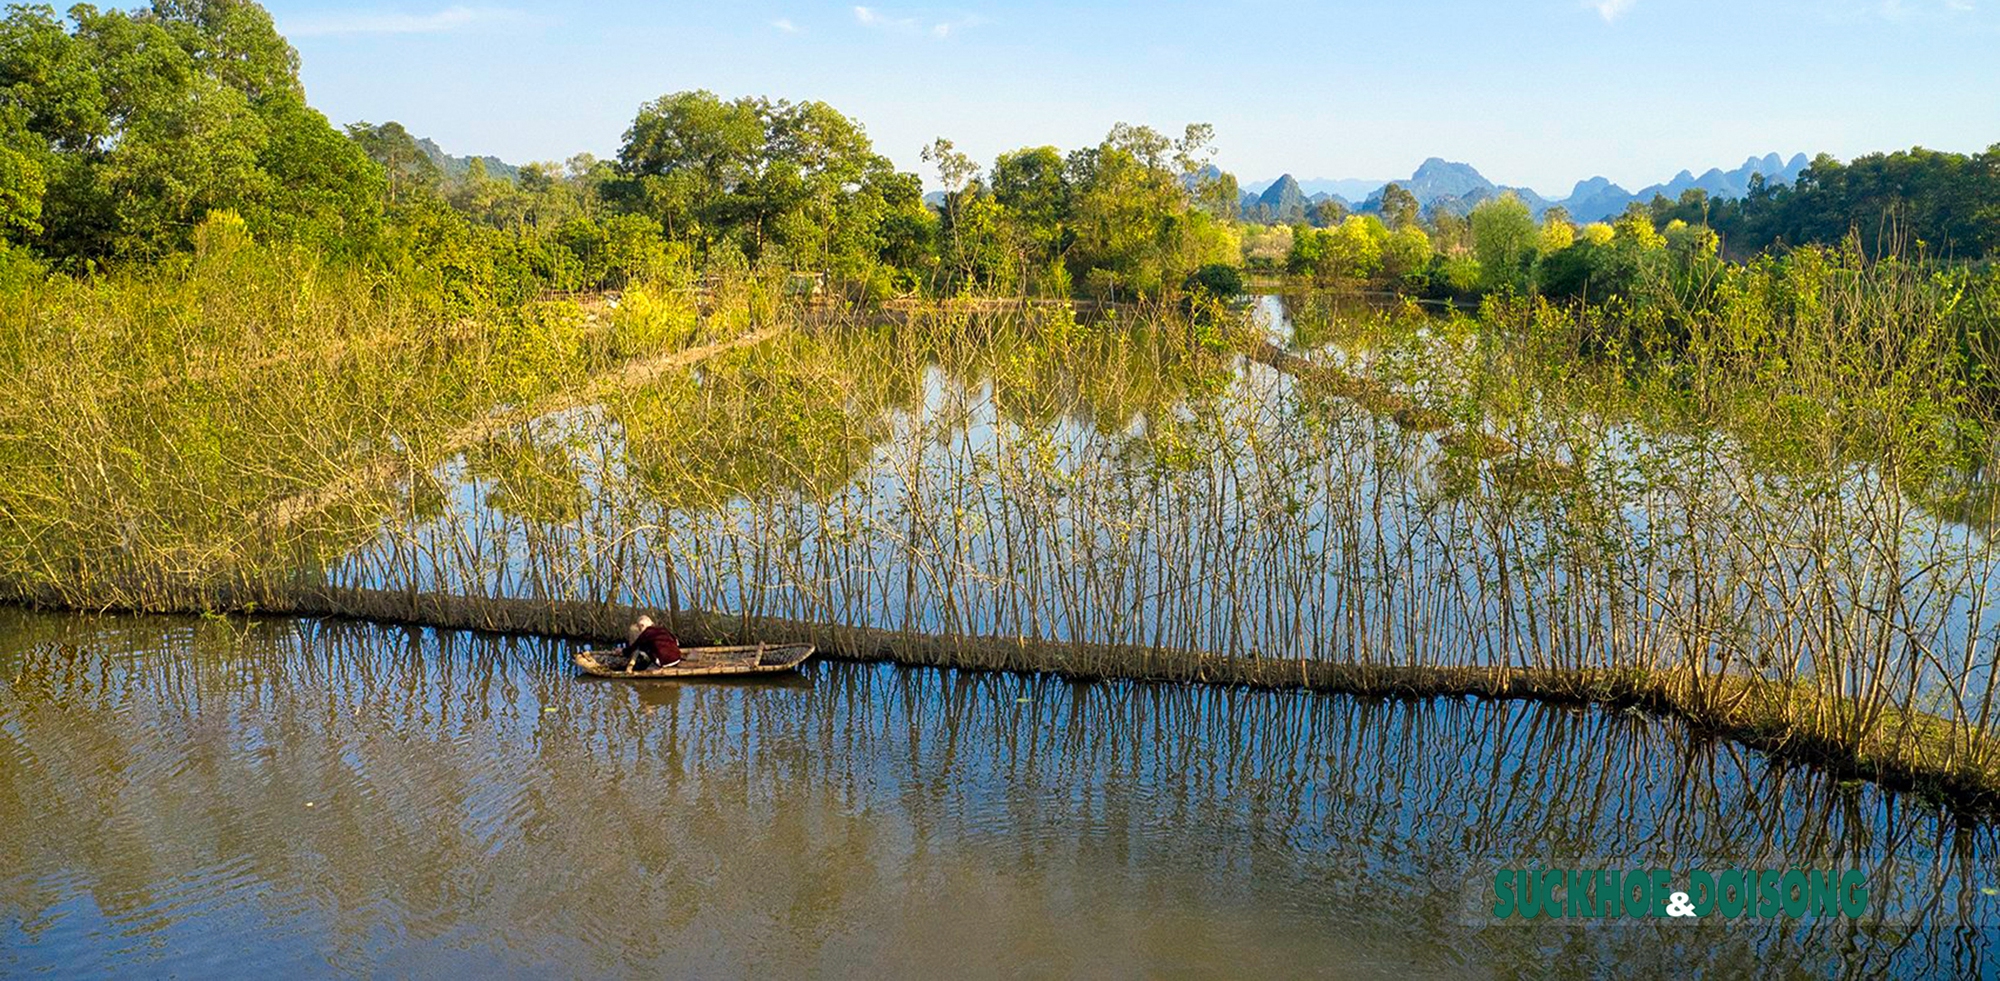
(1354, 249)
(1504, 238)
(407, 168)
(1033, 186)
(140, 124)
(634, 250)
(788, 185)
(972, 232)
(1359, 250)
(21, 181)
(1218, 280)
(322, 187)
(1328, 213)
(1399, 207)
(1136, 229)
(235, 43)
(1450, 232)
(1307, 252)
(1217, 193)
(1405, 253)
(688, 152)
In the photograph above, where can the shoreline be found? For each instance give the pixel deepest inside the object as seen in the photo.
(1745, 710)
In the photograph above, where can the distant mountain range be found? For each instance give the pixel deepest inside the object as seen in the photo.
(1437, 184)
(1458, 187)
(1598, 197)
(1346, 189)
(1284, 201)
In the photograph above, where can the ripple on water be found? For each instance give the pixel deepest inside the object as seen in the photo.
(380, 801)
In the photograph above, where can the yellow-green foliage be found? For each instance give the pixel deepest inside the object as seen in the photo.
(533, 481)
(152, 416)
(1265, 246)
(1639, 230)
(1359, 250)
(805, 412)
(802, 413)
(1556, 235)
(652, 317)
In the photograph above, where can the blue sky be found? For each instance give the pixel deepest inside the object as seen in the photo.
(1540, 93)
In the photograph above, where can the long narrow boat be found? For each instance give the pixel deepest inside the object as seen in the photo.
(701, 662)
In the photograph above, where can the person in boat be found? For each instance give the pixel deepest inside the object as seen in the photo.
(651, 646)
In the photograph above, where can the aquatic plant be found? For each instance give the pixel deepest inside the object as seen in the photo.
(1494, 503)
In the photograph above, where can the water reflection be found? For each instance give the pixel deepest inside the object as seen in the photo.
(209, 798)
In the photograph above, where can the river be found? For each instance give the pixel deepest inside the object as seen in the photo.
(270, 797)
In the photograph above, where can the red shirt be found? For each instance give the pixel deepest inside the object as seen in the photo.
(659, 642)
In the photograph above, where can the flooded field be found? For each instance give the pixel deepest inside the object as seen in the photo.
(1315, 498)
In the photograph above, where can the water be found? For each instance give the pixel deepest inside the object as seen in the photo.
(1133, 487)
(222, 799)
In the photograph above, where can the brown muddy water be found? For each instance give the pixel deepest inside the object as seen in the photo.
(208, 798)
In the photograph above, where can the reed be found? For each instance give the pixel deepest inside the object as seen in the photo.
(1756, 535)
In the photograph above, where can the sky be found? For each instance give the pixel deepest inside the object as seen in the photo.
(1534, 93)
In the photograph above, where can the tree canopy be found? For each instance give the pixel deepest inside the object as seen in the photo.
(121, 131)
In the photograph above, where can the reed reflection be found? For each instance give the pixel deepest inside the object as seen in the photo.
(420, 801)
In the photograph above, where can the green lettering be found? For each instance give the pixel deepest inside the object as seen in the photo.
(1854, 893)
(1634, 894)
(1734, 894)
(1532, 895)
(1703, 886)
(1797, 892)
(1825, 893)
(1767, 892)
(1584, 900)
(1503, 891)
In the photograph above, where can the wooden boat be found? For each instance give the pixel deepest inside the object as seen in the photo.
(701, 662)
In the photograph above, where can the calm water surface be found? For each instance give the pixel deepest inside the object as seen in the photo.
(249, 799)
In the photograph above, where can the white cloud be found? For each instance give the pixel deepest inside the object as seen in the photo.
(1906, 11)
(950, 27)
(1610, 10)
(384, 22)
(876, 18)
(785, 24)
(870, 17)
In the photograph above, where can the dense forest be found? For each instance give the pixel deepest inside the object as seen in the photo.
(121, 132)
